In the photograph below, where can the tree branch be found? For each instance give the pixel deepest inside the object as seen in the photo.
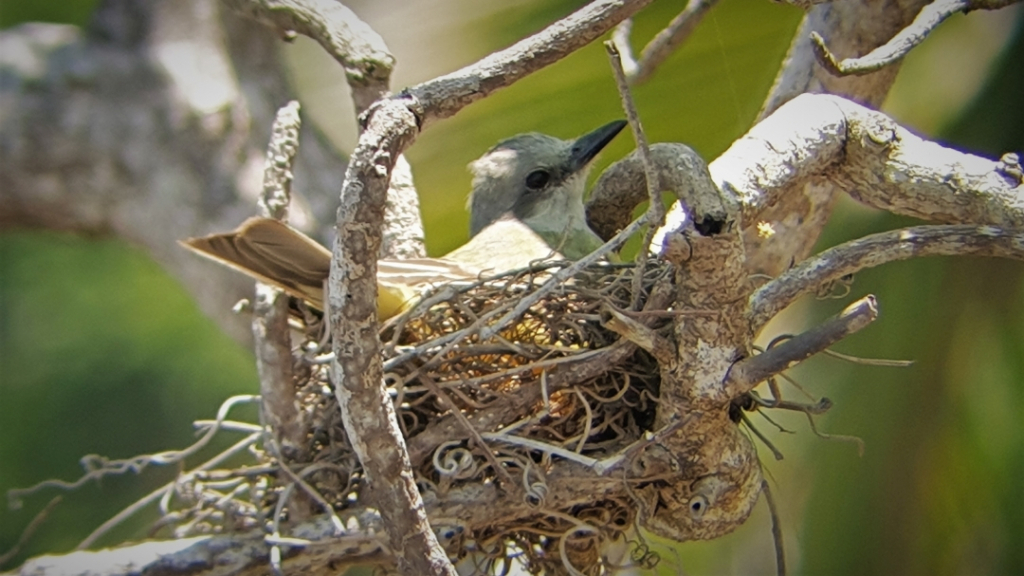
(677, 168)
(279, 413)
(749, 372)
(818, 143)
(366, 408)
(664, 42)
(877, 249)
(361, 52)
(368, 64)
(852, 27)
(445, 96)
(902, 43)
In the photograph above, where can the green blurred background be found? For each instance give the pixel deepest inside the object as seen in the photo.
(101, 352)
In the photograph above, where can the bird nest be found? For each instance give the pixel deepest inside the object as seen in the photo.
(490, 404)
(439, 364)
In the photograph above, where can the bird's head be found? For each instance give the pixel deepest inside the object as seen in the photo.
(537, 179)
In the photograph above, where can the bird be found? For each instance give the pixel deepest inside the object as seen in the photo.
(526, 204)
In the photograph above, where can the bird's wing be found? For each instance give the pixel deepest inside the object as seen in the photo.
(423, 271)
(401, 282)
(272, 252)
(506, 244)
(277, 254)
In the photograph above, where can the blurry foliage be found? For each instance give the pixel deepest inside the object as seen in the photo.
(14, 12)
(101, 352)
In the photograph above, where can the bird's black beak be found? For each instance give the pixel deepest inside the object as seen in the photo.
(587, 146)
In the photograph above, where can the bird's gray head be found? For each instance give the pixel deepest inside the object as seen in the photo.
(536, 178)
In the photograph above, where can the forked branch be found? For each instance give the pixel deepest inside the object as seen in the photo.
(901, 44)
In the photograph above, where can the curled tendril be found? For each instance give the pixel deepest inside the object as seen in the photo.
(536, 491)
(454, 461)
(642, 556)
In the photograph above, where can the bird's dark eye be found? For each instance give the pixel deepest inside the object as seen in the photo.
(537, 179)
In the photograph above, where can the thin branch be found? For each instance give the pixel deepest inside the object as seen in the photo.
(884, 362)
(780, 551)
(760, 436)
(299, 480)
(749, 372)
(271, 337)
(155, 495)
(663, 44)
(877, 249)
(637, 333)
(280, 163)
(852, 27)
(620, 38)
(655, 209)
(29, 530)
(901, 44)
(560, 277)
(806, 4)
(97, 467)
(443, 97)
